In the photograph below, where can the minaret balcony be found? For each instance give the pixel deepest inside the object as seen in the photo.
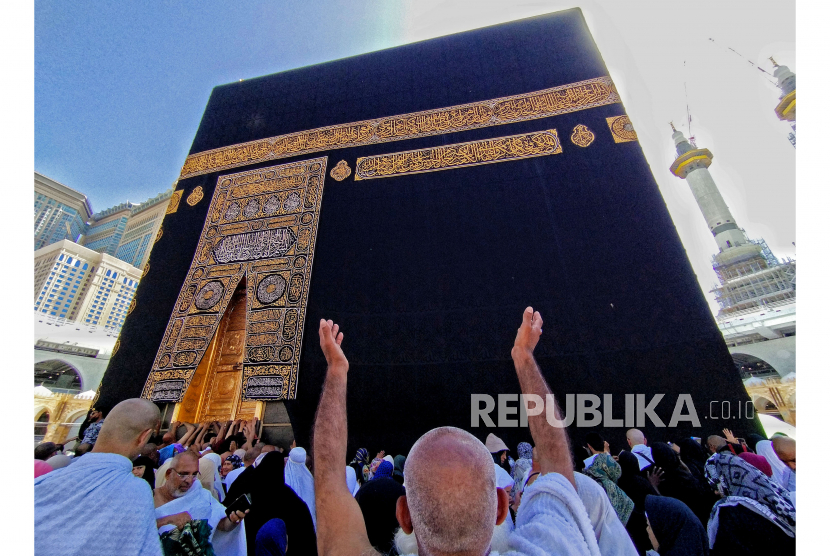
(692, 160)
(786, 107)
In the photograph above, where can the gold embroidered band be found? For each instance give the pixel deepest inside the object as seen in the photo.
(591, 93)
(473, 153)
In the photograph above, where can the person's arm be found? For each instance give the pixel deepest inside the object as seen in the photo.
(188, 436)
(220, 437)
(229, 523)
(203, 428)
(232, 430)
(733, 442)
(178, 520)
(551, 442)
(340, 525)
(249, 430)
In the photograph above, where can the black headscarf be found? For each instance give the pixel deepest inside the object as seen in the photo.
(149, 465)
(397, 474)
(271, 498)
(503, 464)
(678, 482)
(676, 528)
(377, 500)
(694, 456)
(632, 481)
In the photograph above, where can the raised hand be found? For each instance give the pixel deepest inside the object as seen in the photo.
(655, 477)
(330, 340)
(380, 454)
(729, 436)
(529, 332)
(249, 430)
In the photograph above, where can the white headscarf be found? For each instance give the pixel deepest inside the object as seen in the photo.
(503, 478)
(299, 478)
(217, 490)
(779, 475)
(351, 480)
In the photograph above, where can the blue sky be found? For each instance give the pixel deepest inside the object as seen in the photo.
(120, 87)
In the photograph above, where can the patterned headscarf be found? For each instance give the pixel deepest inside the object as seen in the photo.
(742, 483)
(235, 460)
(361, 457)
(384, 470)
(606, 471)
(524, 462)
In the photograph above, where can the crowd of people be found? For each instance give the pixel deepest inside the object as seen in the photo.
(217, 489)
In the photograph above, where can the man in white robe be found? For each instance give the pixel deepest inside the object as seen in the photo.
(96, 506)
(452, 502)
(182, 498)
(638, 444)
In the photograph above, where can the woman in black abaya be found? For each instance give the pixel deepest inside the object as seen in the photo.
(272, 498)
(678, 482)
(676, 529)
(694, 456)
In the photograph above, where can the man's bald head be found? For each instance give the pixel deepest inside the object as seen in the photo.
(635, 437)
(250, 455)
(125, 426)
(268, 448)
(715, 443)
(784, 447)
(184, 458)
(451, 492)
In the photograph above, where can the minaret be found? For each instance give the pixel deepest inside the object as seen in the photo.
(692, 164)
(750, 276)
(786, 82)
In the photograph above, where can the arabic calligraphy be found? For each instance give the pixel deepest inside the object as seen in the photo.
(460, 155)
(563, 99)
(621, 129)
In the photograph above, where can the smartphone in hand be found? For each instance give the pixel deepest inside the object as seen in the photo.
(239, 505)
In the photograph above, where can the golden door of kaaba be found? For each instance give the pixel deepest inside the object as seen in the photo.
(215, 390)
(235, 333)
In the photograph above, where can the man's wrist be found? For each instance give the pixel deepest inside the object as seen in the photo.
(520, 353)
(339, 367)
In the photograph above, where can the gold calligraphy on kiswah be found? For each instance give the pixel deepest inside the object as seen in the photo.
(539, 104)
(473, 153)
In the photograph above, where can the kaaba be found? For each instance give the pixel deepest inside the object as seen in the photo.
(421, 197)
